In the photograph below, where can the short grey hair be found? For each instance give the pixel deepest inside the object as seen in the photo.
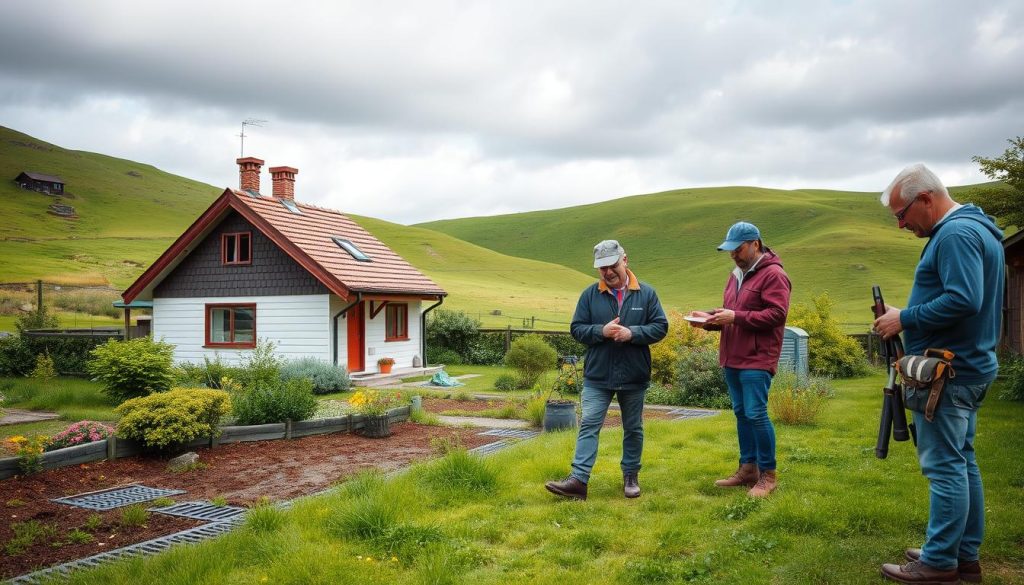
(912, 181)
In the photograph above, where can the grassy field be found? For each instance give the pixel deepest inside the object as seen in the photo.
(840, 242)
(838, 514)
(73, 399)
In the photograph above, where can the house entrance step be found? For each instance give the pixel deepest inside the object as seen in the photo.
(392, 379)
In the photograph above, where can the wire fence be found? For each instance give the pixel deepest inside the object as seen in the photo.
(77, 306)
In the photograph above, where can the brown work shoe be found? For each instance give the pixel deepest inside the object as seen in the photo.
(919, 573)
(569, 487)
(765, 485)
(631, 485)
(970, 571)
(746, 475)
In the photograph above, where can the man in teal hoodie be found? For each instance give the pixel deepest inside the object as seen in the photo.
(956, 304)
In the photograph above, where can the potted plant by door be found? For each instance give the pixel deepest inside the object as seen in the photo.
(560, 413)
(384, 364)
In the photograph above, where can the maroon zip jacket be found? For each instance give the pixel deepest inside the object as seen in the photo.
(754, 340)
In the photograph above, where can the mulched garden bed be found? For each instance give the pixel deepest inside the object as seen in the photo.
(438, 405)
(240, 473)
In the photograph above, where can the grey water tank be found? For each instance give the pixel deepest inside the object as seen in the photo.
(794, 351)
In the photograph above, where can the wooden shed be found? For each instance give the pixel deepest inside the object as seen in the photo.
(1013, 326)
(50, 184)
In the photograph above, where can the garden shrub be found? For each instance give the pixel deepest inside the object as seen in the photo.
(565, 344)
(16, 357)
(180, 415)
(796, 401)
(44, 370)
(211, 373)
(486, 349)
(70, 355)
(440, 355)
(261, 367)
(276, 402)
(831, 352)
(530, 356)
(666, 353)
(452, 330)
(79, 433)
(134, 368)
(1013, 369)
(39, 319)
(506, 381)
(701, 379)
(326, 377)
(666, 395)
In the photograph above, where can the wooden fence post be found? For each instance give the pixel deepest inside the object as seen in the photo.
(112, 447)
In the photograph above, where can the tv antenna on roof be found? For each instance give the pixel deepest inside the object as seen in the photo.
(248, 122)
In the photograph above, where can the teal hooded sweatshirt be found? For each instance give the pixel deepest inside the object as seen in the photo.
(957, 299)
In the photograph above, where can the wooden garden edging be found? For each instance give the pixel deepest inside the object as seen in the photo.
(114, 448)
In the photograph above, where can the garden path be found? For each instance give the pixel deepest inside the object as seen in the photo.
(13, 416)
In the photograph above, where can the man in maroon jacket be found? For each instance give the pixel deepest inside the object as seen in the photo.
(752, 321)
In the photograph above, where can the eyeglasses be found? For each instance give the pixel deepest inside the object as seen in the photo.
(903, 212)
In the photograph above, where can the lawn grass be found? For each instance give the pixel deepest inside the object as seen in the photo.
(74, 399)
(839, 513)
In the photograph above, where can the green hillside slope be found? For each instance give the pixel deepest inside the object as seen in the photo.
(840, 242)
(128, 213)
(480, 281)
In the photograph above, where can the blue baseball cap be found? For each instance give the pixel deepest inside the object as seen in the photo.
(740, 232)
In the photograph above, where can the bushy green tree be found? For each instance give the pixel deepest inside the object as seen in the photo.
(129, 369)
(530, 356)
(452, 330)
(831, 352)
(1006, 201)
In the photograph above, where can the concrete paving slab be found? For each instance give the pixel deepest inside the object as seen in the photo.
(13, 416)
(479, 421)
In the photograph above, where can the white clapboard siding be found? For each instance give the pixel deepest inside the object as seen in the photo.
(402, 351)
(299, 326)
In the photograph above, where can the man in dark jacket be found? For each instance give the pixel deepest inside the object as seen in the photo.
(752, 321)
(956, 304)
(617, 318)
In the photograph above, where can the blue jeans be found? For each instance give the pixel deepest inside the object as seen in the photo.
(945, 448)
(748, 390)
(595, 407)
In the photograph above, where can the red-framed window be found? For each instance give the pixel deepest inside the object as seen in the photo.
(231, 326)
(236, 248)
(396, 322)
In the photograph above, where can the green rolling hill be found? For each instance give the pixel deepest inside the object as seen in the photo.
(834, 241)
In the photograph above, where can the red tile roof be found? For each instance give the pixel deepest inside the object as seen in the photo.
(307, 238)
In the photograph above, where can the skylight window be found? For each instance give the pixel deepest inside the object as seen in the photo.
(291, 206)
(351, 249)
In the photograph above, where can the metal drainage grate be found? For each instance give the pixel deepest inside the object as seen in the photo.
(109, 500)
(493, 447)
(685, 413)
(149, 547)
(515, 433)
(200, 511)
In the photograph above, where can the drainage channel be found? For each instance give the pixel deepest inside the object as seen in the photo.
(110, 499)
(222, 519)
(688, 413)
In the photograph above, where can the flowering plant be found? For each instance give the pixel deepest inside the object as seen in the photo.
(86, 431)
(375, 402)
(29, 451)
(386, 361)
(568, 380)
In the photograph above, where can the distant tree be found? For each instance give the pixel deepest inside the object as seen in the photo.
(1005, 202)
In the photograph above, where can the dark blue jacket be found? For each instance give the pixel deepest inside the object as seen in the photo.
(611, 365)
(957, 299)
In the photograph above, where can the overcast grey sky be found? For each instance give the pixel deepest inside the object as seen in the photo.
(411, 111)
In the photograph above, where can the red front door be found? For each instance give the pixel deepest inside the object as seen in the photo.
(356, 332)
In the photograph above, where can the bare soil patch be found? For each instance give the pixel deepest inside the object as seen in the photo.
(438, 405)
(241, 473)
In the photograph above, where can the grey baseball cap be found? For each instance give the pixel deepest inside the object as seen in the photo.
(607, 253)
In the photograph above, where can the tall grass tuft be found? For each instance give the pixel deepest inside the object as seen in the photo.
(460, 475)
(793, 401)
(535, 411)
(264, 518)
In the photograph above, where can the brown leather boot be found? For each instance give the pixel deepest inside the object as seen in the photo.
(765, 484)
(746, 475)
(569, 487)
(920, 573)
(630, 485)
(970, 571)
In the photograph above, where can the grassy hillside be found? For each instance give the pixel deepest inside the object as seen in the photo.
(128, 213)
(840, 242)
(479, 280)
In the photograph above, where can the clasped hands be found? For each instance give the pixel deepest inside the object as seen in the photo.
(621, 333)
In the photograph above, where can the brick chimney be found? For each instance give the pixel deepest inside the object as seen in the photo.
(249, 173)
(284, 181)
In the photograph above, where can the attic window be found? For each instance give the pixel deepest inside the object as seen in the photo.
(351, 249)
(288, 203)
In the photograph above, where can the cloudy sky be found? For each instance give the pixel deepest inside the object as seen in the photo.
(412, 111)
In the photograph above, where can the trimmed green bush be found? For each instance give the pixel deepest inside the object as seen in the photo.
(506, 381)
(274, 402)
(326, 377)
(16, 357)
(830, 352)
(452, 330)
(440, 355)
(180, 415)
(129, 369)
(1013, 369)
(530, 356)
(701, 379)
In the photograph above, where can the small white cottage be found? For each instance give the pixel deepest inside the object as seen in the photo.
(307, 278)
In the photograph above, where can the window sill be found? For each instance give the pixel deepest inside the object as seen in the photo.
(230, 346)
(388, 339)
